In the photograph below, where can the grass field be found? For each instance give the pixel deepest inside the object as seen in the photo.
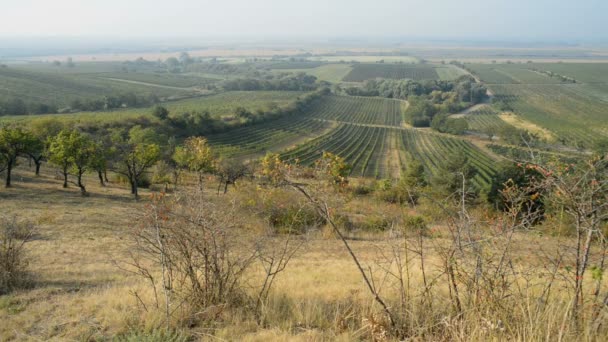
(328, 72)
(567, 111)
(449, 72)
(367, 59)
(220, 105)
(362, 72)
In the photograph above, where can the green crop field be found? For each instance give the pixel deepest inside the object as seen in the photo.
(268, 136)
(581, 72)
(327, 72)
(367, 59)
(449, 72)
(485, 120)
(363, 147)
(511, 74)
(362, 72)
(577, 118)
(61, 88)
(433, 149)
(376, 111)
(220, 105)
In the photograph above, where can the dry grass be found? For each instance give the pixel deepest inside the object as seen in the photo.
(520, 123)
(80, 294)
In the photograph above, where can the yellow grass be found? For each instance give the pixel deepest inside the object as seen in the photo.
(521, 123)
(80, 294)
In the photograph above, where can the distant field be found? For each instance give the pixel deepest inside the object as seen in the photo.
(223, 104)
(163, 79)
(575, 117)
(449, 72)
(485, 120)
(511, 74)
(367, 59)
(362, 72)
(582, 72)
(60, 89)
(328, 72)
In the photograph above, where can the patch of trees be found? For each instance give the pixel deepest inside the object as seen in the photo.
(428, 98)
(17, 106)
(283, 81)
(561, 78)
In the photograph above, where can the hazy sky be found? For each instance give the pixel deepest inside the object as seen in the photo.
(487, 19)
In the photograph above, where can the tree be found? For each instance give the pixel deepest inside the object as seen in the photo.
(454, 176)
(229, 172)
(135, 154)
(160, 112)
(75, 152)
(196, 156)
(412, 181)
(335, 167)
(13, 143)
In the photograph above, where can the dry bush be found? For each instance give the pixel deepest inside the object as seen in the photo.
(14, 235)
(197, 257)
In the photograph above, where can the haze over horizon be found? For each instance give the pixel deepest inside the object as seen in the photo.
(516, 20)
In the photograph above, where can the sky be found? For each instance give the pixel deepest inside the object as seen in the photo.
(438, 19)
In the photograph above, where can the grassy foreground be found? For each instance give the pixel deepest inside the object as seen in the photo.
(79, 292)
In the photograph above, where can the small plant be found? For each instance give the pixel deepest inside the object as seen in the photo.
(14, 234)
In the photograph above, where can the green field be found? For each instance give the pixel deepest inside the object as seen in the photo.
(449, 72)
(220, 105)
(367, 59)
(327, 72)
(61, 88)
(362, 72)
(577, 118)
(485, 120)
(361, 110)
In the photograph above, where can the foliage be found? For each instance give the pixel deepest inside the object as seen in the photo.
(196, 156)
(334, 167)
(14, 235)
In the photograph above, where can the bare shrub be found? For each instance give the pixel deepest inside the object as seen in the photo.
(14, 234)
(195, 255)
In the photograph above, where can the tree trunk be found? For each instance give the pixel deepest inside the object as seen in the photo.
(105, 176)
(9, 168)
(65, 177)
(133, 180)
(38, 164)
(100, 174)
(226, 187)
(83, 191)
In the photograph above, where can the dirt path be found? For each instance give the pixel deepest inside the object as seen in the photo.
(152, 84)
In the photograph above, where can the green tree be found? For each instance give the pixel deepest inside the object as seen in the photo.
(454, 175)
(76, 153)
(335, 167)
(196, 156)
(14, 141)
(135, 153)
(160, 112)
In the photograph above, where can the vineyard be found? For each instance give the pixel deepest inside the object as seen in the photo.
(433, 149)
(577, 118)
(485, 120)
(61, 89)
(361, 110)
(363, 147)
(268, 136)
(362, 72)
(524, 155)
(511, 74)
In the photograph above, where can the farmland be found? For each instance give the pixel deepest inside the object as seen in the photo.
(576, 118)
(219, 105)
(374, 111)
(362, 72)
(327, 72)
(61, 89)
